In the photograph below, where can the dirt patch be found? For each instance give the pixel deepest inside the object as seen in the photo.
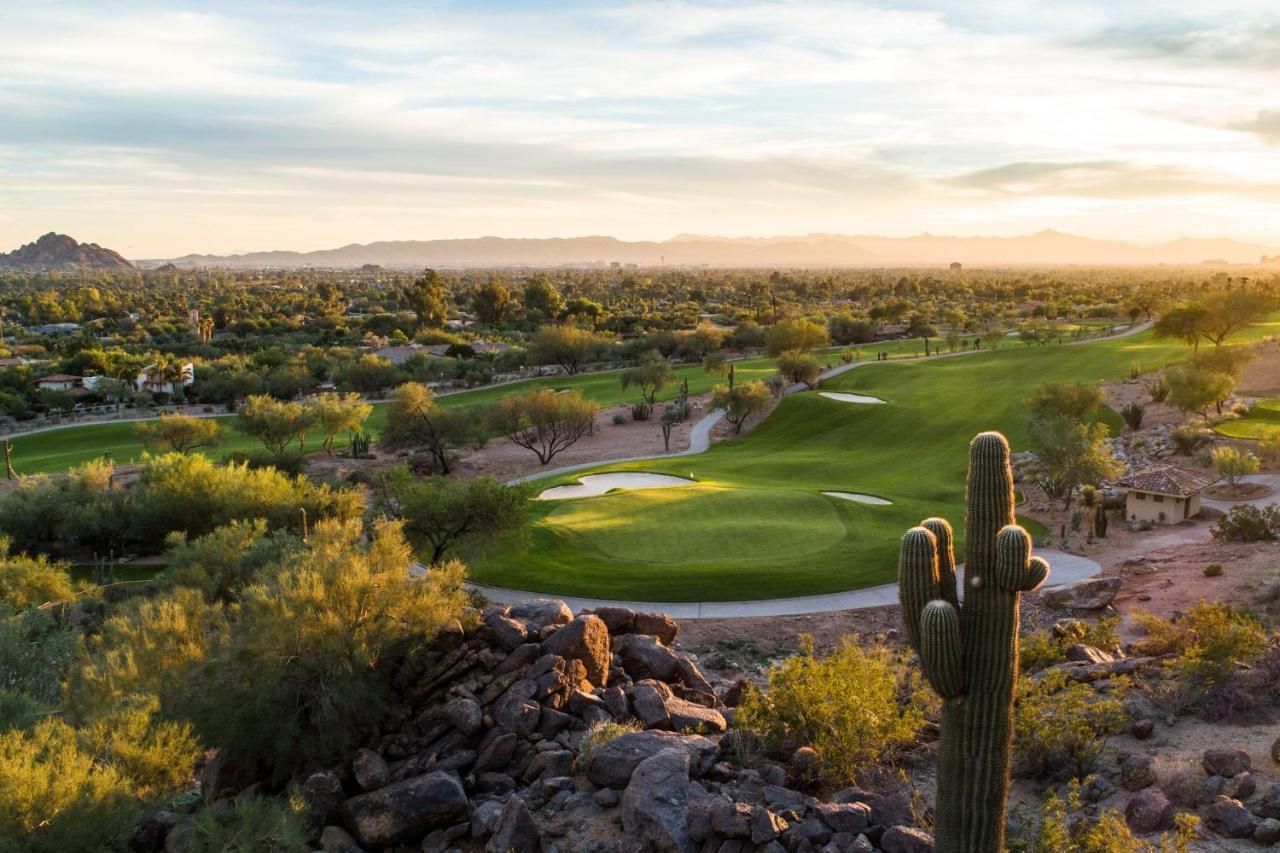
(1238, 492)
(1261, 377)
(1124, 392)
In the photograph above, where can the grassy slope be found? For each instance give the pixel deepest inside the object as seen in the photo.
(1263, 422)
(777, 536)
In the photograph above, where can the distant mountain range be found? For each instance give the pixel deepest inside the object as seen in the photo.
(811, 250)
(60, 252)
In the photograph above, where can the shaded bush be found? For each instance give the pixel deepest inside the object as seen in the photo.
(248, 825)
(1246, 523)
(1042, 649)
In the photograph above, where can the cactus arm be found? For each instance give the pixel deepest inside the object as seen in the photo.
(941, 530)
(917, 579)
(1016, 569)
(940, 649)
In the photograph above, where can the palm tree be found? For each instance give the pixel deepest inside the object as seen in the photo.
(167, 371)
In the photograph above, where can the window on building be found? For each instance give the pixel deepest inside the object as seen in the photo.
(1159, 498)
(1140, 496)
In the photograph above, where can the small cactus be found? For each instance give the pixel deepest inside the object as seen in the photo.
(969, 651)
(359, 445)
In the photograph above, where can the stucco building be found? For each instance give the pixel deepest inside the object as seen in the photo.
(1165, 495)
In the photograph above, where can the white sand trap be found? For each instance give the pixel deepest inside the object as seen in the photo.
(862, 499)
(598, 484)
(850, 398)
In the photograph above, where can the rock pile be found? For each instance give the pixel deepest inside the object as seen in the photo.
(542, 731)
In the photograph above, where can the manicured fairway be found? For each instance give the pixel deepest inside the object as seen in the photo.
(757, 525)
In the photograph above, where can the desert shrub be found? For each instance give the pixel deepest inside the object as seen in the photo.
(81, 509)
(598, 734)
(1060, 726)
(56, 796)
(641, 410)
(20, 711)
(1233, 464)
(223, 562)
(1207, 642)
(156, 755)
(291, 462)
(1213, 570)
(297, 683)
(1132, 414)
(249, 825)
(858, 707)
(1246, 523)
(1158, 390)
(193, 495)
(1106, 833)
(148, 647)
(1189, 438)
(35, 651)
(1042, 649)
(619, 419)
(31, 581)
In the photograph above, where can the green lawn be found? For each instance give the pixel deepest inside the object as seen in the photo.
(1263, 422)
(757, 525)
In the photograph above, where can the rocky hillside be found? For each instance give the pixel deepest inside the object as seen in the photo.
(541, 731)
(59, 252)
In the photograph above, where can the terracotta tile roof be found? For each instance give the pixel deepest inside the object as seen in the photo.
(58, 377)
(1169, 480)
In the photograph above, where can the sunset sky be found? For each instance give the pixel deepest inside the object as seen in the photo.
(158, 129)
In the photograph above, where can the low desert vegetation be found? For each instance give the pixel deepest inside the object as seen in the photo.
(860, 707)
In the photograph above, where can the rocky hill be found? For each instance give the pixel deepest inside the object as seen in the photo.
(60, 252)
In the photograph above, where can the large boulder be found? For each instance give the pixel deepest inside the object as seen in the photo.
(540, 613)
(464, 714)
(369, 769)
(1137, 772)
(515, 829)
(906, 839)
(611, 764)
(658, 625)
(585, 639)
(1270, 805)
(644, 657)
(1230, 818)
(1225, 762)
(224, 776)
(404, 810)
(1149, 810)
(508, 633)
(655, 804)
(1087, 594)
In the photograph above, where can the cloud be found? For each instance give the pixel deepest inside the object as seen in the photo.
(1266, 125)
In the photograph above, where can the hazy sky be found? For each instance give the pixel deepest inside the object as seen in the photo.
(160, 129)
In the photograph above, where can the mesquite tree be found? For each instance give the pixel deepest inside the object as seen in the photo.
(969, 651)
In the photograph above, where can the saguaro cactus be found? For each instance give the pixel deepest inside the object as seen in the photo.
(969, 651)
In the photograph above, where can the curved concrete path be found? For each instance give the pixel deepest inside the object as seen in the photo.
(1064, 568)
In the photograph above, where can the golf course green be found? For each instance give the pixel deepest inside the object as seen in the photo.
(757, 525)
(1263, 421)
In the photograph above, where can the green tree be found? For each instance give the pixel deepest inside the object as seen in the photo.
(542, 298)
(1070, 453)
(543, 421)
(651, 375)
(1228, 311)
(567, 346)
(787, 336)
(799, 368)
(1184, 323)
(490, 302)
(1069, 399)
(1194, 389)
(275, 423)
(414, 419)
(742, 402)
(336, 413)
(180, 433)
(428, 298)
(443, 515)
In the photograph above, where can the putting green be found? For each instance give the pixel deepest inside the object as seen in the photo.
(757, 525)
(1263, 422)
(733, 526)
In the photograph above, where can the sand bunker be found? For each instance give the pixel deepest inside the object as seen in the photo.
(598, 484)
(850, 398)
(862, 499)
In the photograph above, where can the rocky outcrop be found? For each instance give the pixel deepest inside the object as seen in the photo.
(58, 251)
(536, 730)
(1087, 594)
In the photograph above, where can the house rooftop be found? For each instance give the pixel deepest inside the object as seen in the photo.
(1169, 480)
(58, 377)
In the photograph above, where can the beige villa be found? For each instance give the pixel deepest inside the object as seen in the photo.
(1165, 495)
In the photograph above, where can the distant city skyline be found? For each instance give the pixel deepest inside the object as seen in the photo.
(160, 129)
